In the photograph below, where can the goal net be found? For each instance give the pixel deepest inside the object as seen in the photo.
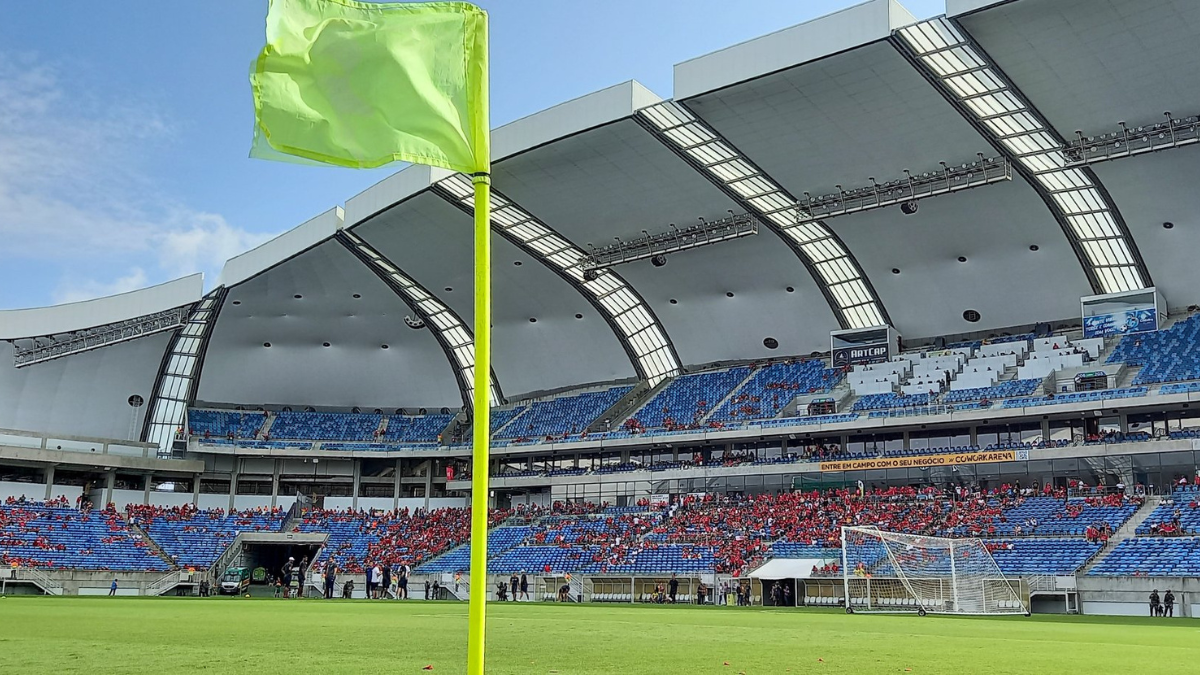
(892, 572)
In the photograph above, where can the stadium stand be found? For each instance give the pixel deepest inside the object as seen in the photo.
(1009, 389)
(1038, 555)
(687, 399)
(500, 539)
(1151, 557)
(318, 426)
(892, 400)
(195, 538)
(52, 535)
(568, 415)
(392, 538)
(415, 429)
(1169, 355)
(1075, 397)
(225, 423)
(772, 387)
(1180, 514)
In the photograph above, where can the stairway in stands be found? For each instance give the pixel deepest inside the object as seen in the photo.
(153, 545)
(1129, 529)
(732, 392)
(266, 427)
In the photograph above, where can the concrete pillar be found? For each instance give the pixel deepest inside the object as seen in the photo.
(196, 489)
(110, 481)
(275, 485)
(50, 482)
(148, 479)
(428, 483)
(357, 484)
(396, 486)
(233, 483)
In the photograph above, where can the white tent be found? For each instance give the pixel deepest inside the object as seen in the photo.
(789, 568)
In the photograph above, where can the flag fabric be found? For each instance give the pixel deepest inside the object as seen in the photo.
(359, 84)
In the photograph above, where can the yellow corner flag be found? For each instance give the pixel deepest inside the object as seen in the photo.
(360, 85)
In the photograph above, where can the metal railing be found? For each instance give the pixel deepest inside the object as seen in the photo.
(166, 582)
(38, 578)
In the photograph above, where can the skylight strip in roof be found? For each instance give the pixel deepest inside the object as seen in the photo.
(758, 192)
(938, 47)
(609, 291)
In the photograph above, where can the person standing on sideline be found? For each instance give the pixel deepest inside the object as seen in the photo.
(287, 577)
(1154, 602)
(672, 588)
(387, 582)
(1169, 604)
(514, 582)
(112, 590)
(402, 582)
(330, 578)
(426, 589)
(370, 580)
(524, 586)
(376, 577)
(303, 577)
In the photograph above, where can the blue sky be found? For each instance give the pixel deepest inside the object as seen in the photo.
(125, 125)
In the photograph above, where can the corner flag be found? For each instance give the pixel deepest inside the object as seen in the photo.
(359, 85)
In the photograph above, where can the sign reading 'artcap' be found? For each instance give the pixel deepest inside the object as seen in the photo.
(360, 84)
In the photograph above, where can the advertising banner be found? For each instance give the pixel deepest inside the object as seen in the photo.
(849, 356)
(1120, 323)
(947, 459)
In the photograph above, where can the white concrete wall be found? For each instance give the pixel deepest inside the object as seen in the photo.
(31, 491)
(173, 498)
(121, 498)
(252, 501)
(208, 502)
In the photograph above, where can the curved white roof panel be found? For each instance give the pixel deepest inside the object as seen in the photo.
(57, 319)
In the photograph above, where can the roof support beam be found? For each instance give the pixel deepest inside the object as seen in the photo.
(946, 55)
(637, 328)
(844, 284)
(448, 328)
(179, 373)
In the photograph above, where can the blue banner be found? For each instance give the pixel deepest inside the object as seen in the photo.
(1120, 323)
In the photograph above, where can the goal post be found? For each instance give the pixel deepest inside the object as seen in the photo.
(896, 572)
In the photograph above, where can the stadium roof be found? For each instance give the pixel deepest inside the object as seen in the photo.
(861, 96)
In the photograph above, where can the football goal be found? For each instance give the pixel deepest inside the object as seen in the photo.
(893, 572)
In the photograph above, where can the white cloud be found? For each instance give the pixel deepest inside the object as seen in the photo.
(74, 193)
(74, 290)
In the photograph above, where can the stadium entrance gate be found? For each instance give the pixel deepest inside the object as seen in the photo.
(269, 551)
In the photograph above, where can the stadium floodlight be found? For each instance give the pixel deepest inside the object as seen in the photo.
(896, 572)
(451, 331)
(836, 272)
(1170, 133)
(656, 246)
(970, 81)
(645, 340)
(28, 351)
(907, 190)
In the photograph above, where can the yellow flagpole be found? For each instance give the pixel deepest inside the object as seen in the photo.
(481, 429)
(481, 432)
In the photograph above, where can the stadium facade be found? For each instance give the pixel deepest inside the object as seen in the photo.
(669, 276)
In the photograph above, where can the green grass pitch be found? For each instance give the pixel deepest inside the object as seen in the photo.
(264, 636)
